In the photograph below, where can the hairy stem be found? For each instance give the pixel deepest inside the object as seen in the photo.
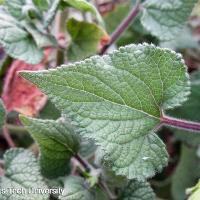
(181, 124)
(122, 27)
(8, 138)
(90, 168)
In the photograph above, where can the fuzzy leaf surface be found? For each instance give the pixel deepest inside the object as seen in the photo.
(15, 7)
(22, 172)
(117, 100)
(17, 42)
(135, 190)
(166, 18)
(57, 142)
(76, 188)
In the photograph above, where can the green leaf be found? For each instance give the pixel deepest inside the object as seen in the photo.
(117, 100)
(2, 114)
(186, 174)
(50, 112)
(42, 5)
(57, 141)
(87, 147)
(194, 192)
(85, 39)
(84, 6)
(135, 190)
(183, 41)
(190, 111)
(166, 18)
(41, 39)
(22, 172)
(17, 42)
(76, 188)
(21, 9)
(15, 8)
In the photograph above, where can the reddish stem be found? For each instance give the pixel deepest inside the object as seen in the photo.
(181, 124)
(8, 138)
(122, 27)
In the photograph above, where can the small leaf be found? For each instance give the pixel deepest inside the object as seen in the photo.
(17, 42)
(76, 188)
(85, 39)
(41, 39)
(22, 172)
(186, 174)
(117, 100)
(21, 9)
(84, 6)
(42, 5)
(135, 190)
(2, 114)
(15, 8)
(57, 141)
(165, 18)
(190, 111)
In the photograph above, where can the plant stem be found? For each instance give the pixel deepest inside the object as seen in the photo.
(122, 27)
(16, 129)
(89, 168)
(8, 138)
(181, 124)
(83, 162)
(104, 186)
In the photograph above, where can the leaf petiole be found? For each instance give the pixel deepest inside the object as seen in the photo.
(181, 124)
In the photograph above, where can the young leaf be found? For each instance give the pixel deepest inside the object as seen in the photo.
(76, 188)
(2, 114)
(135, 190)
(57, 142)
(17, 42)
(85, 39)
(42, 5)
(117, 100)
(22, 172)
(165, 18)
(41, 39)
(21, 9)
(186, 174)
(84, 6)
(15, 8)
(190, 111)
